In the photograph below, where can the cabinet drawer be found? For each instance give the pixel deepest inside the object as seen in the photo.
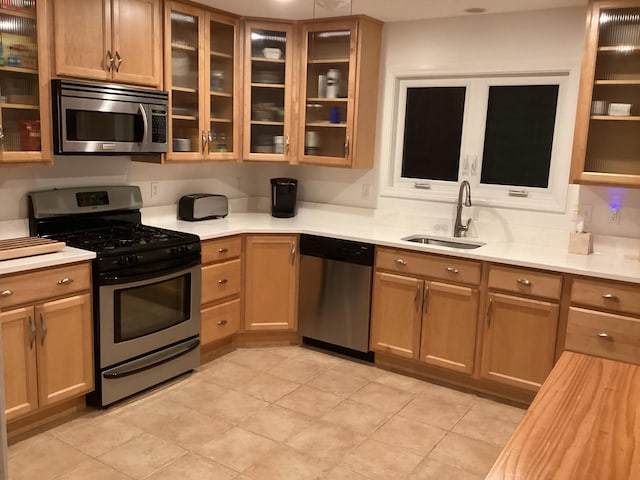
(220, 321)
(424, 264)
(607, 295)
(603, 335)
(528, 282)
(220, 280)
(221, 249)
(35, 286)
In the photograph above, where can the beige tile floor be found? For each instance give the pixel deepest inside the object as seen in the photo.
(277, 413)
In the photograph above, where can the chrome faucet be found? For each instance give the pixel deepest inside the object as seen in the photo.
(458, 227)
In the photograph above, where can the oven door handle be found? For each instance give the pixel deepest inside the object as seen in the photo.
(154, 361)
(116, 278)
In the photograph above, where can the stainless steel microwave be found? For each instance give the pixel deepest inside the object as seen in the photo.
(92, 118)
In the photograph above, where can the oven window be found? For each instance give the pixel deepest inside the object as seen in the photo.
(85, 125)
(150, 308)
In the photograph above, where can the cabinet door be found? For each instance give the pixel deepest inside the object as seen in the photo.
(25, 105)
(19, 355)
(82, 38)
(183, 67)
(65, 357)
(268, 89)
(605, 146)
(396, 315)
(449, 326)
(519, 340)
(137, 41)
(222, 82)
(270, 282)
(328, 88)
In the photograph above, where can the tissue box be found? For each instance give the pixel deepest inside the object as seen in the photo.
(581, 243)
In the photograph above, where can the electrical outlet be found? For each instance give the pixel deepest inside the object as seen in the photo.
(154, 189)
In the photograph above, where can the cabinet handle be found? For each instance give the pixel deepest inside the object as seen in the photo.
(489, 308)
(605, 336)
(222, 322)
(346, 147)
(65, 281)
(118, 61)
(524, 281)
(416, 299)
(223, 281)
(204, 141)
(400, 261)
(293, 253)
(425, 299)
(109, 61)
(45, 330)
(223, 250)
(452, 270)
(6, 293)
(32, 326)
(610, 296)
(287, 143)
(209, 139)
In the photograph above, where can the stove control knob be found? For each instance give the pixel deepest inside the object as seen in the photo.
(122, 260)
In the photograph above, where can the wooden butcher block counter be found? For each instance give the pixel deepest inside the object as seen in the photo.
(583, 424)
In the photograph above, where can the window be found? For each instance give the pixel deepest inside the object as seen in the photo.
(501, 133)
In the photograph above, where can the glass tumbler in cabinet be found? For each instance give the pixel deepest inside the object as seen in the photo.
(222, 78)
(21, 95)
(184, 80)
(607, 137)
(267, 111)
(328, 94)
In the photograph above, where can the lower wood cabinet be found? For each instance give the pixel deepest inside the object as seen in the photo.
(270, 282)
(423, 319)
(519, 340)
(48, 354)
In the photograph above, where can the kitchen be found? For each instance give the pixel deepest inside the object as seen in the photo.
(543, 35)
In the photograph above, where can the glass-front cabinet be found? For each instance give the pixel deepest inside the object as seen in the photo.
(268, 90)
(201, 73)
(338, 92)
(25, 111)
(607, 135)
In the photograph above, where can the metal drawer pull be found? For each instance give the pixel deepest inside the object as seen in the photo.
(416, 299)
(489, 313)
(605, 336)
(452, 270)
(32, 326)
(65, 281)
(222, 322)
(293, 253)
(45, 330)
(109, 61)
(222, 281)
(223, 250)
(118, 61)
(425, 299)
(524, 281)
(400, 261)
(6, 293)
(609, 296)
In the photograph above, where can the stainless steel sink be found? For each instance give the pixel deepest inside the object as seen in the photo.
(441, 242)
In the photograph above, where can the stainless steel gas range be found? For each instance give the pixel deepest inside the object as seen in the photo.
(146, 285)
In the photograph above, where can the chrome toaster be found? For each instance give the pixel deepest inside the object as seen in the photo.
(202, 206)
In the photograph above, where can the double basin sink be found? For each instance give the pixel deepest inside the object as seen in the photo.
(441, 242)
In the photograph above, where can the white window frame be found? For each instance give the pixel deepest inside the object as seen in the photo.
(550, 199)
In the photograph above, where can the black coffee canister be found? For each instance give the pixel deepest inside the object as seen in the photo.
(283, 197)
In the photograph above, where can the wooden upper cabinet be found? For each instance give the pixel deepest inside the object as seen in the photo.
(268, 92)
(109, 40)
(338, 92)
(25, 100)
(605, 146)
(202, 75)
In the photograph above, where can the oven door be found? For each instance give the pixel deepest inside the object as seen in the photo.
(138, 317)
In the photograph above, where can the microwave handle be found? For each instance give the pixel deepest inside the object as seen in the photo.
(145, 123)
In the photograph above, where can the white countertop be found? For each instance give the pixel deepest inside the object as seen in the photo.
(360, 225)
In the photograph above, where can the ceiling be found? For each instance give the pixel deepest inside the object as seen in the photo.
(385, 10)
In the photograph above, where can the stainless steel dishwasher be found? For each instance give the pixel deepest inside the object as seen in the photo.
(334, 299)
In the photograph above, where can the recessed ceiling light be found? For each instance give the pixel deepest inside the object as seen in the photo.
(475, 10)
